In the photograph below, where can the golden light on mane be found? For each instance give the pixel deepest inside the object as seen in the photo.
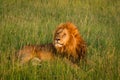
(75, 46)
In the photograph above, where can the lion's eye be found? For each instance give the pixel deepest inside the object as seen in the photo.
(64, 35)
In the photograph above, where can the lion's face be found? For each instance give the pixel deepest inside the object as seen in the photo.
(61, 38)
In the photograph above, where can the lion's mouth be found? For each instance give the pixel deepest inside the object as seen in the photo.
(58, 44)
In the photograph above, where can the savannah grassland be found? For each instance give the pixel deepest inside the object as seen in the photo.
(25, 22)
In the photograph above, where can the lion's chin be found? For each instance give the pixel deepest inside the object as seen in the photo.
(58, 45)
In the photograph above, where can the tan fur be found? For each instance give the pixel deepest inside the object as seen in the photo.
(42, 52)
(74, 46)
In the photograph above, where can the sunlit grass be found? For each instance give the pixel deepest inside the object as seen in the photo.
(25, 22)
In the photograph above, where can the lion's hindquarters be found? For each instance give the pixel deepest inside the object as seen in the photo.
(43, 53)
(26, 54)
(25, 58)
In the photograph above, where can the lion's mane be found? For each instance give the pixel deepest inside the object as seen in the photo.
(76, 46)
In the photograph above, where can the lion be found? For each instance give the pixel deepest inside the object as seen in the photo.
(67, 42)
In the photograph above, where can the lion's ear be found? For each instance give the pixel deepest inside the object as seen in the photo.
(75, 32)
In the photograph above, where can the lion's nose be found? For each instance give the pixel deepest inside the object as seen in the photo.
(57, 39)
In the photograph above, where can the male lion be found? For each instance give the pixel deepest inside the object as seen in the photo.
(66, 42)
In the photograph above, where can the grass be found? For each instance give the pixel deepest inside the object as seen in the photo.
(25, 22)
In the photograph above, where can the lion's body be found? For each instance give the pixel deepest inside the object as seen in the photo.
(67, 41)
(42, 52)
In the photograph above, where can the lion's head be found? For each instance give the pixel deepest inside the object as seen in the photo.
(67, 40)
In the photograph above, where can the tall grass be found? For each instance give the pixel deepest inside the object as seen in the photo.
(25, 22)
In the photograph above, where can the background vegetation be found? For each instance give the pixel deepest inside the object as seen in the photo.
(25, 22)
